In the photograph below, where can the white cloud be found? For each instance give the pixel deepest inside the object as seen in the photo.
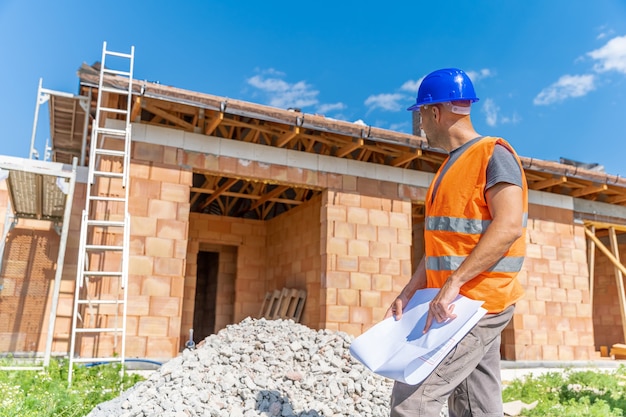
(491, 110)
(479, 75)
(283, 94)
(612, 56)
(411, 85)
(389, 102)
(493, 116)
(567, 86)
(330, 107)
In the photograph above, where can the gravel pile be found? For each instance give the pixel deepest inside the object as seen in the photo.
(259, 368)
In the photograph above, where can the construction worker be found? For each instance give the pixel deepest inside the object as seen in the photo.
(474, 236)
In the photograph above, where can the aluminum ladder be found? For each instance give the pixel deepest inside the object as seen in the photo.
(101, 293)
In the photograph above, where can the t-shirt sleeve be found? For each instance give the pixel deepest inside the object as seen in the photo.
(503, 167)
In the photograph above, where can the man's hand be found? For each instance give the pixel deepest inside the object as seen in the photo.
(397, 307)
(441, 307)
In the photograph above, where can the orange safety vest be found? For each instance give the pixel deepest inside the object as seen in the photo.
(456, 219)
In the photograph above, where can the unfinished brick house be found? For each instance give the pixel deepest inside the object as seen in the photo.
(229, 200)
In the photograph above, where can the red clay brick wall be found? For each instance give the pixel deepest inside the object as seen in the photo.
(293, 255)
(553, 321)
(28, 269)
(366, 249)
(607, 316)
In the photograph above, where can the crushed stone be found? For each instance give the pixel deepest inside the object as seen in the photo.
(259, 367)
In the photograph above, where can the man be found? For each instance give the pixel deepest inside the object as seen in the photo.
(474, 235)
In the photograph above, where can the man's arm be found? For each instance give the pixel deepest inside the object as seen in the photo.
(417, 282)
(505, 203)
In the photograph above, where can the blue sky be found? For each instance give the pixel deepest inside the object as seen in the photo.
(551, 75)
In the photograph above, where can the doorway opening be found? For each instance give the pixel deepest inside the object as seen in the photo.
(206, 294)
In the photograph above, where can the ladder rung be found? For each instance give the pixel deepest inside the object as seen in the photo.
(117, 72)
(109, 152)
(118, 54)
(102, 273)
(95, 302)
(111, 132)
(105, 223)
(114, 90)
(108, 174)
(104, 247)
(98, 330)
(105, 198)
(87, 360)
(112, 110)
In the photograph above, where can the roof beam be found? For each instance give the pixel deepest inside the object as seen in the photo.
(406, 157)
(229, 183)
(169, 117)
(547, 183)
(284, 139)
(213, 124)
(591, 189)
(349, 148)
(274, 193)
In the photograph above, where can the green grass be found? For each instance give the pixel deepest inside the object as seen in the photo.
(572, 393)
(46, 393)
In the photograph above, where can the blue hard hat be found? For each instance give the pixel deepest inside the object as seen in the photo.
(443, 85)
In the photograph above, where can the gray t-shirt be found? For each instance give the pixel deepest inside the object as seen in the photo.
(502, 166)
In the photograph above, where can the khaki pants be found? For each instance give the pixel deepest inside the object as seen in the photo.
(468, 377)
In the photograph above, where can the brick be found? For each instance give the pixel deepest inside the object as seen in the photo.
(349, 183)
(360, 314)
(347, 263)
(381, 282)
(178, 193)
(161, 209)
(140, 265)
(162, 347)
(379, 250)
(556, 267)
(336, 213)
(153, 326)
(337, 279)
(378, 218)
(357, 215)
(138, 305)
(370, 299)
(548, 252)
(387, 234)
(155, 246)
(389, 266)
(165, 306)
(144, 151)
(360, 281)
(358, 248)
(337, 246)
(339, 314)
(566, 353)
(347, 297)
(171, 229)
(168, 266)
(156, 286)
(353, 329)
(369, 265)
(366, 232)
(344, 230)
(143, 226)
(549, 353)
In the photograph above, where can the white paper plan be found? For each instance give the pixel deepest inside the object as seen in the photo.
(398, 349)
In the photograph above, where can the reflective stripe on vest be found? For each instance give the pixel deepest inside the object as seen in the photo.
(459, 225)
(452, 263)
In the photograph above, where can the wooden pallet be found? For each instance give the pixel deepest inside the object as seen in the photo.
(287, 303)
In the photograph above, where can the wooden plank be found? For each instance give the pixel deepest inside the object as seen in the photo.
(547, 183)
(619, 278)
(591, 259)
(269, 309)
(591, 189)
